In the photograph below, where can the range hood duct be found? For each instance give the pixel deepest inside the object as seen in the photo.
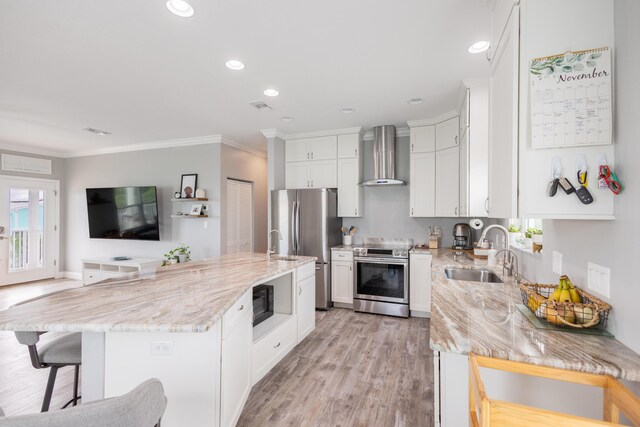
(384, 157)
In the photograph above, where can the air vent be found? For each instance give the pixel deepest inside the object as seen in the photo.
(260, 106)
(97, 131)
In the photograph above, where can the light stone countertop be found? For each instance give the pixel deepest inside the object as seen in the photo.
(459, 324)
(189, 297)
(342, 248)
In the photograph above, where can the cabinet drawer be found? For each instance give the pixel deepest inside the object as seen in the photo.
(233, 315)
(305, 271)
(273, 347)
(342, 255)
(91, 276)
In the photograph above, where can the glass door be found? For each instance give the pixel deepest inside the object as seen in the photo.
(381, 280)
(28, 229)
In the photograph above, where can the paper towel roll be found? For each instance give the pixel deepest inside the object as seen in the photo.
(476, 224)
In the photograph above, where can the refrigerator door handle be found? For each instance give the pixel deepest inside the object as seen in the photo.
(294, 227)
(297, 225)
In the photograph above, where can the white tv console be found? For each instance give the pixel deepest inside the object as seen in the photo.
(98, 269)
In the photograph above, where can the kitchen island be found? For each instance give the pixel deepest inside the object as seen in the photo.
(189, 325)
(482, 318)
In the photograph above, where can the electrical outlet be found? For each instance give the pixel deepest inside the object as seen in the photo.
(164, 348)
(557, 262)
(598, 279)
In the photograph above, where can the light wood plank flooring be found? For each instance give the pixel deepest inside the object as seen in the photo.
(355, 369)
(22, 386)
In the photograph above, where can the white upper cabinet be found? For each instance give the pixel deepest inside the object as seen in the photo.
(503, 123)
(423, 139)
(447, 182)
(464, 174)
(422, 184)
(319, 148)
(323, 174)
(350, 193)
(447, 133)
(349, 146)
(464, 114)
(500, 12)
(297, 175)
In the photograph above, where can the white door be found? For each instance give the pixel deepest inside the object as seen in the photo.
(464, 173)
(503, 124)
(297, 175)
(349, 192)
(348, 146)
(239, 216)
(323, 174)
(306, 307)
(422, 184)
(423, 139)
(342, 282)
(297, 151)
(323, 147)
(235, 383)
(447, 133)
(420, 282)
(28, 229)
(447, 182)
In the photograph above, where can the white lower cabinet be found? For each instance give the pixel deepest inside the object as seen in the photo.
(420, 283)
(236, 368)
(342, 277)
(273, 347)
(306, 306)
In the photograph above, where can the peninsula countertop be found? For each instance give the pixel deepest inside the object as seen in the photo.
(482, 318)
(189, 297)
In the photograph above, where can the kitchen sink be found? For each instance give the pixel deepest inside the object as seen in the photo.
(284, 258)
(472, 274)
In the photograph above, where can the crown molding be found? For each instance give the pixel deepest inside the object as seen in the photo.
(331, 132)
(273, 133)
(31, 150)
(232, 143)
(400, 132)
(433, 121)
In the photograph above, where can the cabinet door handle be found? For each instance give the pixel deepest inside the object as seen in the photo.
(356, 152)
(411, 147)
(312, 155)
(277, 345)
(356, 211)
(486, 205)
(350, 268)
(241, 308)
(456, 139)
(311, 180)
(299, 290)
(411, 211)
(455, 211)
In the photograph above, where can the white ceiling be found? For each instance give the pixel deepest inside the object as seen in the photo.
(136, 70)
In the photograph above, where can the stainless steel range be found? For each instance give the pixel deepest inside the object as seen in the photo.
(382, 278)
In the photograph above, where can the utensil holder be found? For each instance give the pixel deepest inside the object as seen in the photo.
(347, 240)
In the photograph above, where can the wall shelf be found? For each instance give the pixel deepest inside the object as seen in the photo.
(192, 199)
(189, 216)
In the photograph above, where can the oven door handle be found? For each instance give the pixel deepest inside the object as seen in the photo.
(392, 261)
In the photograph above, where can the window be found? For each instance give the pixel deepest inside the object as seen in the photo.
(523, 232)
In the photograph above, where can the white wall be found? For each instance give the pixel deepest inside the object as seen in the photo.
(613, 244)
(239, 164)
(162, 168)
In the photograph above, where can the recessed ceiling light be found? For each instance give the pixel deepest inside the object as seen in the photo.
(97, 131)
(234, 64)
(415, 101)
(347, 110)
(479, 47)
(180, 8)
(286, 118)
(271, 92)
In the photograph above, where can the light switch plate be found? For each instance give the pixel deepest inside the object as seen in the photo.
(164, 348)
(598, 279)
(557, 262)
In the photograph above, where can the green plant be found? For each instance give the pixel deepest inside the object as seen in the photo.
(513, 228)
(182, 249)
(531, 231)
(536, 231)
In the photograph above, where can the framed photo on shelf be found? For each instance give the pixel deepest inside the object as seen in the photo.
(196, 209)
(188, 185)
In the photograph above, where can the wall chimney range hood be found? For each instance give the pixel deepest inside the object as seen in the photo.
(384, 157)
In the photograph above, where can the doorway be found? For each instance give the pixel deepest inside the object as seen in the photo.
(29, 237)
(239, 216)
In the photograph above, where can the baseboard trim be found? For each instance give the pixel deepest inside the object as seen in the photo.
(424, 314)
(71, 275)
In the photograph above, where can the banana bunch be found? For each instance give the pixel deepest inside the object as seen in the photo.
(565, 292)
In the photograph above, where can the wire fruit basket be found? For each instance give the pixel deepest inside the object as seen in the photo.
(590, 312)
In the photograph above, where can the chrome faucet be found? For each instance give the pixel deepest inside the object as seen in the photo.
(508, 268)
(499, 227)
(269, 250)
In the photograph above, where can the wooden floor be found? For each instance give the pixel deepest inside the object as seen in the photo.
(355, 369)
(22, 386)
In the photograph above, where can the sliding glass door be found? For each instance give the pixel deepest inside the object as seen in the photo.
(28, 229)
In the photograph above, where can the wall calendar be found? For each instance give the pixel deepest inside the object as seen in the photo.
(571, 98)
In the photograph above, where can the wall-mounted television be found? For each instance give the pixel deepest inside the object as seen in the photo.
(123, 213)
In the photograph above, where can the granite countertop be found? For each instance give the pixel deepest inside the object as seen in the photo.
(460, 324)
(188, 297)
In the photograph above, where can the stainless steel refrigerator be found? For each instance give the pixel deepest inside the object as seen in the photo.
(310, 226)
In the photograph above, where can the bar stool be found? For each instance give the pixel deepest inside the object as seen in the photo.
(144, 406)
(58, 353)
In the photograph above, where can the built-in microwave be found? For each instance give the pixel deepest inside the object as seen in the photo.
(262, 303)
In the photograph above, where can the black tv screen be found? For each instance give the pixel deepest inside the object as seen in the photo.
(123, 213)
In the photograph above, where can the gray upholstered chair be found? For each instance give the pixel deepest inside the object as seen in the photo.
(60, 352)
(141, 407)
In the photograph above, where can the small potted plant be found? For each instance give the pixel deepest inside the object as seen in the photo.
(180, 254)
(514, 233)
(528, 238)
(536, 235)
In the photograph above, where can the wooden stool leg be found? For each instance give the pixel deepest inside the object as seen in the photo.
(49, 391)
